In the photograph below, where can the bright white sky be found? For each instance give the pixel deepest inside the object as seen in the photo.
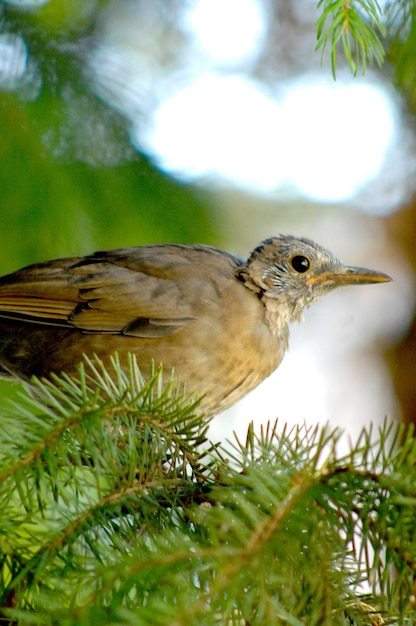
(321, 138)
(312, 137)
(227, 30)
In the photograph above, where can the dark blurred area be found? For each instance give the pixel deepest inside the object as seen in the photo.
(77, 174)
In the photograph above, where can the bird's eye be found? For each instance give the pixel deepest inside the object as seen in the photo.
(300, 263)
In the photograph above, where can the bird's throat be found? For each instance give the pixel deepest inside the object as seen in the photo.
(278, 316)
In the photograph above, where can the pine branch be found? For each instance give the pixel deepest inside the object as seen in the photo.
(115, 509)
(354, 25)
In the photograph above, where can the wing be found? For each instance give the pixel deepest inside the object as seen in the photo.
(149, 291)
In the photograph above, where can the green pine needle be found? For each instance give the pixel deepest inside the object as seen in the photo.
(116, 509)
(354, 26)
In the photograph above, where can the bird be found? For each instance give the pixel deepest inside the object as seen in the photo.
(219, 322)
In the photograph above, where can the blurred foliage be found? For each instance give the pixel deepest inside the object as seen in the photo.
(64, 206)
(70, 180)
(401, 17)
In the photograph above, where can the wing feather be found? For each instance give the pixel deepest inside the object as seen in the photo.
(149, 291)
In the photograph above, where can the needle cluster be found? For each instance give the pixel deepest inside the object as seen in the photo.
(116, 509)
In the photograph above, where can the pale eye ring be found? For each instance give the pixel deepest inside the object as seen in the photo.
(300, 263)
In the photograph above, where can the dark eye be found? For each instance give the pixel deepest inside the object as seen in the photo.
(300, 263)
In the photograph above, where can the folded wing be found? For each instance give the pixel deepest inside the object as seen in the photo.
(149, 291)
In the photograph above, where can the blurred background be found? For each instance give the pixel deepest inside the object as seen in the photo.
(216, 121)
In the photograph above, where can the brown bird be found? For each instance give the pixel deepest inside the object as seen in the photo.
(220, 322)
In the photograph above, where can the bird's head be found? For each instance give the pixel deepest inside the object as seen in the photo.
(295, 272)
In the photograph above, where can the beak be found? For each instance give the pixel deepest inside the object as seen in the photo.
(346, 275)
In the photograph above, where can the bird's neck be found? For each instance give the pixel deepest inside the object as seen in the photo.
(277, 317)
(278, 312)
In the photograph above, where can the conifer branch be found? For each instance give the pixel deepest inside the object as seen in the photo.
(117, 512)
(356, 26)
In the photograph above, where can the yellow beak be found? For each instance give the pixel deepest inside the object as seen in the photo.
(350, 276)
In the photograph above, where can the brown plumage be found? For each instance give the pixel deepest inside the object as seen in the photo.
(221, 323)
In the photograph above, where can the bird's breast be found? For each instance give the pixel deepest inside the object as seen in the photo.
(231, 353)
